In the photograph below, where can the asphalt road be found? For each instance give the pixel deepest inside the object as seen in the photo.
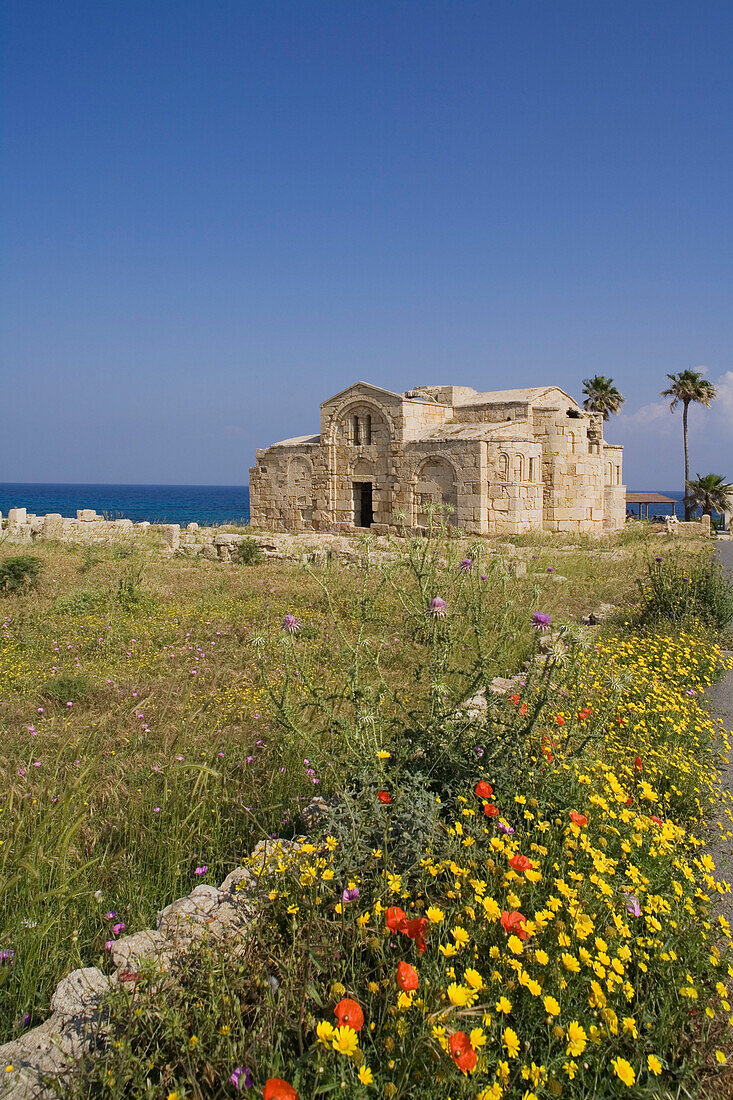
(721, 699)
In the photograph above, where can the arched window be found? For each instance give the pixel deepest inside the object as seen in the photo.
(519, 467)
(435, 485)
(503, 467)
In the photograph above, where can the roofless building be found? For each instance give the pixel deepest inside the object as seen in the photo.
(504, 462)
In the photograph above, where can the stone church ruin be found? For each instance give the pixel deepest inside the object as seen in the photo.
(504, 462)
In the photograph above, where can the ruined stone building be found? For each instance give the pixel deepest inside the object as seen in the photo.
(504, 462)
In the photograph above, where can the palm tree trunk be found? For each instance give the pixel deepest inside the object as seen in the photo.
(687, 458)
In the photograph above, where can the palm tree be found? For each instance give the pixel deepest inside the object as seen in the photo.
(710, 492)
(602, 396)
(688, 386)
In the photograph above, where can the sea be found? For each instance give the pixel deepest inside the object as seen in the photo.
(205, 504)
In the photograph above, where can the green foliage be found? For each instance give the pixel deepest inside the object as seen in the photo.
(249, 552)
(19, 574)
(81, 602)
(66, 688)
(129, 588)
(678, 593)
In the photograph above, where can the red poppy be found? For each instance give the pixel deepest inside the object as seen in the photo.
(520, 862)
(463, 1053)
(514, 699)
(578, 819)
(407, 977)
(657, 820)
(559, 719)
(384, 797)
(349, 1013)
(483, 789)
(523, 708)
(277, 1089)
(396, 918)
(415, 929)
(514, 923)
(638, 764)
(491, 810)
(629, 802)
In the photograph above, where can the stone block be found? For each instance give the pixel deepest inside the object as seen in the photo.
(86, 515)
(17, 516)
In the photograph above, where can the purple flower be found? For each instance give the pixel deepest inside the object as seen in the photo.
(119, 927)
(438, 607)
(201, 870)
(109, 945)
(506, 829)
(550, 569)
(541, 620)
(7, 955)
(242, 1071)
(466, 565)
(111, 915)
(290, 624)
(657, 559)
(484, 577)
(632, 905)
(479, 751)
(350, 894)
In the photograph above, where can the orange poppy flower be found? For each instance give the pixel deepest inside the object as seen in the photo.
(349, 1013)
(407, 977)
(396, 918)
(559, 719)
(656, 820)
(520, 862)
(491, 810)
(415, 929)
(638, 764)
(578, 819)
(463, 1053)
(483, 789)
(514, 699)
(514, 923)
(277, 1089)
(384, 797)
(523, 708)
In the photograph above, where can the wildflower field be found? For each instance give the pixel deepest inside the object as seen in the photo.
(513, 901)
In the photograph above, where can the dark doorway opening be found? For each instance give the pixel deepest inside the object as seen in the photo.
(363, 504)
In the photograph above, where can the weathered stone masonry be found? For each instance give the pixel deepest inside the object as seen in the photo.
(505, 462)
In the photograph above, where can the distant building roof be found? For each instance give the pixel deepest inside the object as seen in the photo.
(649, 498)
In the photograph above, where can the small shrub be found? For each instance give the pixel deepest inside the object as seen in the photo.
(129, 592)
(249, 552)
(677, 593)
(19, 573)
(89, 558)
(81, 602)
(66, 689)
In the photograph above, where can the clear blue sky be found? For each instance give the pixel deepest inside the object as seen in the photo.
(215, 214)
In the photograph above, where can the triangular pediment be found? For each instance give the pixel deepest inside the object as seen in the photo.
(363, 389)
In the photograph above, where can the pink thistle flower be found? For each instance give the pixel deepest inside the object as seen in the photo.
(438, 607)
(291, 624)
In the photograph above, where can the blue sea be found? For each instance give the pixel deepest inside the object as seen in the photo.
(205, 504)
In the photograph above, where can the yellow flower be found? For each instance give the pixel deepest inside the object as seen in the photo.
(542, 957)
(571, 1068)
(225, 1029)
(515, 945)
(624, 1071)
(477, 1038)
(577, 1039)
(345, 1040)
(324, 1032)
(460, 935)
(172, 1096)
(720, 1058)
(365, 1075)
(434, 914)
(491, 1092)
(404, 1000)
(383, 755)
(447, 949)
(504, 1005)
(492, 910)
(458, 994)
(655, 1066)
(511, 1042)
(473, 978)
(551, 1006)
(629, 1024)
(570, 963)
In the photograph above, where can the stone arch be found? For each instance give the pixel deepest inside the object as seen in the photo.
(435, 483)
(360, 422)
(503, 467)
(518, 468)
(300, 490)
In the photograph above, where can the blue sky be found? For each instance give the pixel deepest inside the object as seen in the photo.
(216, 214)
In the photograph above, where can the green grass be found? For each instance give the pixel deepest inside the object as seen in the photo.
(136, 735)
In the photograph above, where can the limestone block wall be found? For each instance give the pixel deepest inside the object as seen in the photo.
(514, 486)
(289, 488)
(572, 472)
